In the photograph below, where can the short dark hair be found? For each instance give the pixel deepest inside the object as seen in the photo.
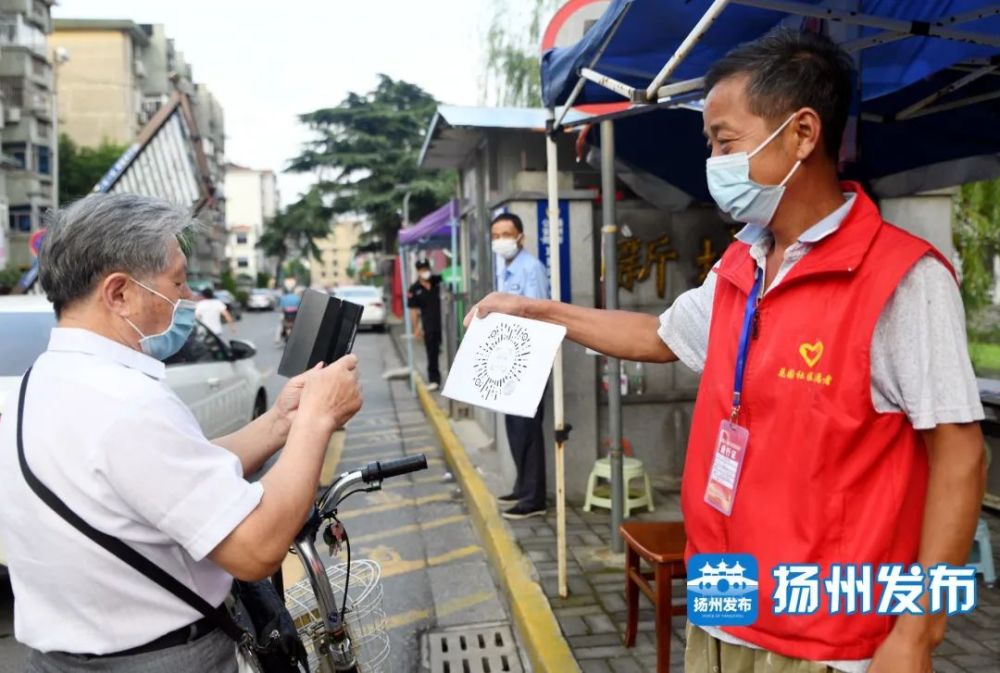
(423, 264)
(510, 217)
(208, 293)
(791, 69)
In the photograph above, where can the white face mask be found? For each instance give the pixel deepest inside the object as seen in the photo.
(425, 275)
(736, 194)
(506, 248)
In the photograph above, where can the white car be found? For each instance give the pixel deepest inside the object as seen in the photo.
(261, 299)
(218, 381)
(370, 297)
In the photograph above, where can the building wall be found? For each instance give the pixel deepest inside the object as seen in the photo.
(251, 200)
(99, 97)
(336, 254)
(28, 133)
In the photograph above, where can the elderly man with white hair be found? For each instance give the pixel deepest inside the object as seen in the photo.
(100, 429)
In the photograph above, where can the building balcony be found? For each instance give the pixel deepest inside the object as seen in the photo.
(17, 32)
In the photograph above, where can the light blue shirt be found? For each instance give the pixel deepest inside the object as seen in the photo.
(525, 275)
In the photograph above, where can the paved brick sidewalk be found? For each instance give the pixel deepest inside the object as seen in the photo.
(592, 617)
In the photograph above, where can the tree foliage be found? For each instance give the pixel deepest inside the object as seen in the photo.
(977, 239)
(364, 154)
(511, 69)
(80, 168)
(292, 234)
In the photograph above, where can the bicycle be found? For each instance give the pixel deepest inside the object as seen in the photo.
(328, 633)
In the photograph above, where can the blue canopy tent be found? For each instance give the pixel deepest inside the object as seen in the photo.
(926, 114)
(929, 78)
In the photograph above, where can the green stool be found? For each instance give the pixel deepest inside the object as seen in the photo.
(632, 468)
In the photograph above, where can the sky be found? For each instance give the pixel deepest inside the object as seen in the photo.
(267, 61)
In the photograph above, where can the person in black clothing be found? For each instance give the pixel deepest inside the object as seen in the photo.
(425, 299)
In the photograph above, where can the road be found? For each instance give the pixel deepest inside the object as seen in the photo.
(434, 571)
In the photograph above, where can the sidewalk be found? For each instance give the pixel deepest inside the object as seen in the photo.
(591, 619)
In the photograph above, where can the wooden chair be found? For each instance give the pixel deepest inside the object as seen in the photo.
(661, 545)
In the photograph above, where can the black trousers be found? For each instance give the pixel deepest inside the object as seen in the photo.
(432, 340)
(527, 446)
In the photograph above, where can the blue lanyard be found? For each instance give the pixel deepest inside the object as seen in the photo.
(744, 347)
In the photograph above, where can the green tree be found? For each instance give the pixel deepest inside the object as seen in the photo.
(80, 168)
(293, 232)
(364, 154)
(977, 239)
(511, 61)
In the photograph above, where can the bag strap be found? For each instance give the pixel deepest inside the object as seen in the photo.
(218, 615)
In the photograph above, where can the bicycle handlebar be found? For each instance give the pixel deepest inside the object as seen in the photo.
(379, 470)
(372, 473)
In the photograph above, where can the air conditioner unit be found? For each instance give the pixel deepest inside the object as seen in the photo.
(13, 115)
(140, 69)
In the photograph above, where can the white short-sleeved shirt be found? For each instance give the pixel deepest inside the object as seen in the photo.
(106, 435)
(919, 357)
(210, 311)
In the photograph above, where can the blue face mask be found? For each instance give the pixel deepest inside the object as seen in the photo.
(161, 346)
(736, 194)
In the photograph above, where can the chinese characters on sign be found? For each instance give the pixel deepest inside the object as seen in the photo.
(851, 587)
(636, 259)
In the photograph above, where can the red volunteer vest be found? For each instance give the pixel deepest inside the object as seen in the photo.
(826, 478)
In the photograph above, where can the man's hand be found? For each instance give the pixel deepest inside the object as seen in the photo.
(496, 302)
(900, 653)
(332, 394)
(287, 404)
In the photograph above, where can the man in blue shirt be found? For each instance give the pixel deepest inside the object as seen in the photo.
(288, 304)
(520, 273)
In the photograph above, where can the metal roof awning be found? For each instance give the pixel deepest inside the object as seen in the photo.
(455, 130)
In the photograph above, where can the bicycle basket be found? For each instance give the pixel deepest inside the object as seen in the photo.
(365, 618)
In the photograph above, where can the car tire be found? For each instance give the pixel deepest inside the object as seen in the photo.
(260, 404)
(380, 328)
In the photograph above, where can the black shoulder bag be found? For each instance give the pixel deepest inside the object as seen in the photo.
(261, 627)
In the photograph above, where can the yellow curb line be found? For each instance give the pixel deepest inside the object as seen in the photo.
(547, 648)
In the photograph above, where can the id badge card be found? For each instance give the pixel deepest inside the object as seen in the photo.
(730, 449)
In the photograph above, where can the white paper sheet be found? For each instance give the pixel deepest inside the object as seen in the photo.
(503, 364)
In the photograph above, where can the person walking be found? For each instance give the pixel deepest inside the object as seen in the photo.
(520, 273)
(97, 426)
(425, 304)
(854, 408)
(211, 312)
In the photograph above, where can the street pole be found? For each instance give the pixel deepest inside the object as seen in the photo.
(561, 429)
(609, 240)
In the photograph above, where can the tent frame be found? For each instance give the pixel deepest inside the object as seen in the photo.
(658, 94)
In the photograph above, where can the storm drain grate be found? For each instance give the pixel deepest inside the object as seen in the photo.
(479, 649)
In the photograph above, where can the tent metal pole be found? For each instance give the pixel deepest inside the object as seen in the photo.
(609, 83)
(406, 316)
(609, 240)
(555, 231)
(597, 57)
(700, 28)
(885, 37)
(930, 29)
(954, 86)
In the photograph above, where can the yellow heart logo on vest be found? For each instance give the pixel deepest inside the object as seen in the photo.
(811, 353)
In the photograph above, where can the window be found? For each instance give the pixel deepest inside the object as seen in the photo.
(18, 152)
(20, 218)
(243, 262)
(24, 336)
(201, 346)
(42, 157)
(241, 239)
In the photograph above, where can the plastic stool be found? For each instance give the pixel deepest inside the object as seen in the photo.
(981, 556)
(632, 468)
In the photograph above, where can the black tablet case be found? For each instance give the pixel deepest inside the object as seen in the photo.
(324, 331)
